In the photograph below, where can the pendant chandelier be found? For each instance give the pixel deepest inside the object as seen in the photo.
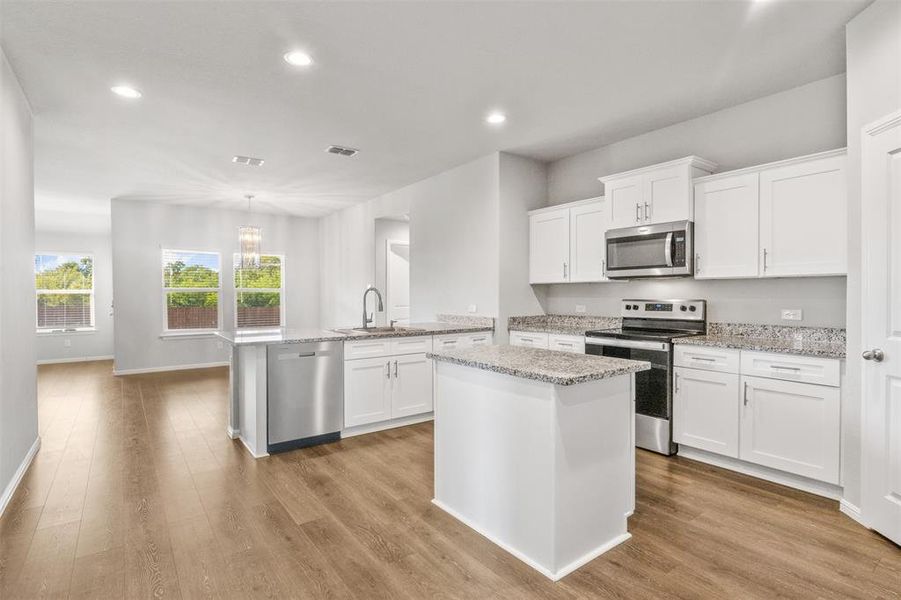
(249, 239)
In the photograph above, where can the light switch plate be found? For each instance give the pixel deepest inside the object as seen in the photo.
(580, 308)
(792, 314)
(472, 308)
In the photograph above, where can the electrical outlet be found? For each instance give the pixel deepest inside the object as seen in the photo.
(580, 308)
(792, 314)
(472, 308)
(67, 343)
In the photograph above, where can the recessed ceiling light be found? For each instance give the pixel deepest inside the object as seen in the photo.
(495, 118)
(248, 160)
(125, 91)
(298, 58)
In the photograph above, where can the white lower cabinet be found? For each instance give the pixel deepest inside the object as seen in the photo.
(411, 385)
(705, 410)
(791, 426)
(461, 341)
(367, 391)
(566, 343)
(529, 339)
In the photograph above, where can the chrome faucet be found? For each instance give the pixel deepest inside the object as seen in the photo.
(366, 318)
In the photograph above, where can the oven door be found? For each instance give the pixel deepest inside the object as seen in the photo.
(663, 250)
(652, 388)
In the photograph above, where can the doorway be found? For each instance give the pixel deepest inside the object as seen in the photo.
(392, 268)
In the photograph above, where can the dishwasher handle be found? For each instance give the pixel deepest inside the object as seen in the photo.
(295, 355)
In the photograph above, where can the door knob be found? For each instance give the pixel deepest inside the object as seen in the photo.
(874, 354)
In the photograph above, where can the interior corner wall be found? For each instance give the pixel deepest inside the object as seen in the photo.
(18, 376)
(873, 50)
(140, 230)
(90, 345)
(523, 187)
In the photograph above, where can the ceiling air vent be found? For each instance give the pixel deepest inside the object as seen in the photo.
(341, 151)
(248, 160)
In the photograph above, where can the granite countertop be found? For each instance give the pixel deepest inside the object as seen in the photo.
(291, 336)
(802, 347)
(549, 366)
(561, 324)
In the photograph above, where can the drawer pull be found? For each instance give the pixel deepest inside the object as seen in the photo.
(784, 368)
(704, 358)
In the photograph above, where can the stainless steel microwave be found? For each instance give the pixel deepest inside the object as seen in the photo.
(662, 250)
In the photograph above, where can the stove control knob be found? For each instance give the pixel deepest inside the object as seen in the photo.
(634, 307)
(628, 307)
(692, 308)
(683, 308)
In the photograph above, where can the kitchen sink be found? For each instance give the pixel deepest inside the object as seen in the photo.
(364, 330)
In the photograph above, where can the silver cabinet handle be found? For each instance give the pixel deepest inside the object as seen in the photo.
(676, 382)
(697, 263)
(784, 368)
(637, 213)
(388, 370)
(765, 253)
(395, 369)
(564, 269)
(704, 358)
(647, 215)
(875, 354)
(746, 393)
(603, 267)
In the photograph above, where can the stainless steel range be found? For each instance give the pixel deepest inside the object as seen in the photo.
(647, 333)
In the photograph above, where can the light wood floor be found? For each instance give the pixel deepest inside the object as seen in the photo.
(137, 493)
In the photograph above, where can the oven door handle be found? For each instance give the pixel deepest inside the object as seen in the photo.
(668, 249)
(636, 344)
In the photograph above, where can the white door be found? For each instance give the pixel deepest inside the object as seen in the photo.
(587, 226)
(397, 283)
(791, 426)
(549, 247)
(803, 219)
(626, 199)
(881, 228)
(367, 390)
(412, 385)
(667, 195)
(705, 410)
(726, 227)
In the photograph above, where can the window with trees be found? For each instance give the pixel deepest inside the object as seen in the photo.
(64, 285)
(260, 292)
(191, 290)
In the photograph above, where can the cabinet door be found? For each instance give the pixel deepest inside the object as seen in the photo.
(803, 220)
(726, 227)
(667, 195)
(705, 410)
(587, 226)
(412, 385)
(367, 391)
(549, 247)
(792, 427)
(625, 198)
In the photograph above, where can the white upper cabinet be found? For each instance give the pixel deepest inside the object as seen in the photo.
(726, 226)
(803, 218)
(587, 226)
(549, 246)
(655, 194)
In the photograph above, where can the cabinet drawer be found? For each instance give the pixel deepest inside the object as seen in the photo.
(531, 340)
(483, 338)
(708, 358)
(367, 348)
(566, 343)
(411, 345)
(458, 341)
(805, 369)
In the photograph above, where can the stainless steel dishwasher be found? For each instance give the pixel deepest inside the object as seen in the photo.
(305, 394)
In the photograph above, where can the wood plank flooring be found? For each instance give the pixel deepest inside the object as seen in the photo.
(138, 493)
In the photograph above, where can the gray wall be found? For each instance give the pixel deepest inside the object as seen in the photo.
(803, 120)
(18, 380)
(141, 229)
(51, 347)
(386, 229)
(874, 90)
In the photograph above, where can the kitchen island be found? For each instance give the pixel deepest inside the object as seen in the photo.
(534, 449)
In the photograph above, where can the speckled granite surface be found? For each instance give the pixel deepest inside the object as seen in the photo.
(562, 324)
(469, 320)
(291, 336)
(825, 342)
(550, 366)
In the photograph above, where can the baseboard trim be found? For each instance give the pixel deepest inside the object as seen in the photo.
(77, 359)
(851, 511)
(805, 484)
(552, 575)
(383, 425)
(211, 365)
(232, 432)
(18, 475)
(249, 449)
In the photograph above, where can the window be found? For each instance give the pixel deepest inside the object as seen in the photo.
(65, 291)
(259, 293)
(191, 290)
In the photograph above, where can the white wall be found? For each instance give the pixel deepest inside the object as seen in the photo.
(18, 380)
(141, 229)
(803, 120)
(874, 90)
(51, 347)
(385, 229)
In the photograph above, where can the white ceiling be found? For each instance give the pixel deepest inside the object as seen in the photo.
(408, 83)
